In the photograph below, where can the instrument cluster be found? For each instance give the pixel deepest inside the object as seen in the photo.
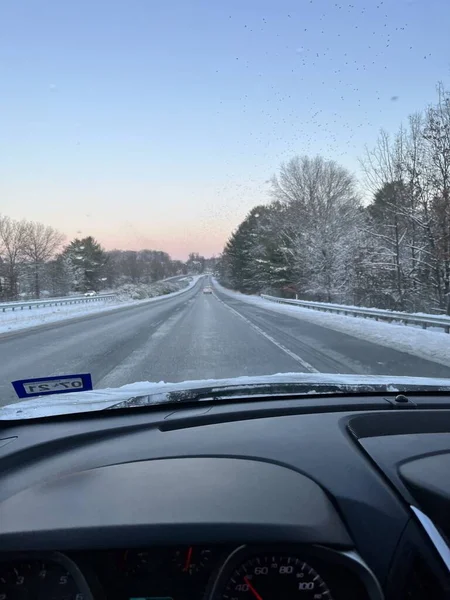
(179, 573)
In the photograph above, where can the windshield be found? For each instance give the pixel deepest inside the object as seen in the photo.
(200, 191)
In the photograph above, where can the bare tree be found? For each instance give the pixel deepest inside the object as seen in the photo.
(41, 243)
(382, 164)
(409, 177)
(12, 243)
(437, 136)
(323, 211)
(385, 171)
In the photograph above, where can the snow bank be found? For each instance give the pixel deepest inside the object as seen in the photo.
(126, 296)
(132, 291)
(430, 345)
(59, 404)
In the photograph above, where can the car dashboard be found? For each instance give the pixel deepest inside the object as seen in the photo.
(332, 498)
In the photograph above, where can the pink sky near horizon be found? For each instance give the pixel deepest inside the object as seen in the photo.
(178, 248)
(180, 218)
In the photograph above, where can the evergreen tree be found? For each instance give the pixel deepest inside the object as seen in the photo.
(86, 261)
(256, 258)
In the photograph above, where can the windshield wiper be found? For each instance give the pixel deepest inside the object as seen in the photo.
(275, 391)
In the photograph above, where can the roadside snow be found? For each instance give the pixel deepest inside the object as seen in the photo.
(26, 319)
(136, 291)
(101, 399)
(430, 345)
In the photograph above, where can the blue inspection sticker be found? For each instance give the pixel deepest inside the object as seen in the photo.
(44, 386)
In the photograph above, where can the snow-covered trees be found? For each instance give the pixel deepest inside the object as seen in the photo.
(392, 252)
(410, 210)
(322, 212)
(256, 257)
(142, 266)
(304, 239)
(40, 244)
(86, 260)
(195, 263)
(12, 240)
(25, 249)
(34, 263)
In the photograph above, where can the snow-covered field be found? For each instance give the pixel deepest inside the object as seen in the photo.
(25, 319)
(430, 345)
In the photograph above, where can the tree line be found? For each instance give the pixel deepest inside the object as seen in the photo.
(319, 239)
(34, 262)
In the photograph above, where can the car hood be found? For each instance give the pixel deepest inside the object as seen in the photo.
(146, 393)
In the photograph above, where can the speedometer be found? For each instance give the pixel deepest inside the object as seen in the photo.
(274, 577)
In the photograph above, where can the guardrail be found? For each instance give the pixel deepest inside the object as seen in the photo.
(4, 306)
(373, 313)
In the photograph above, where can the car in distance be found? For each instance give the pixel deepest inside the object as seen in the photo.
(207, 290)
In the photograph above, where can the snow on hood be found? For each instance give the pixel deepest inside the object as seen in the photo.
(157, 392)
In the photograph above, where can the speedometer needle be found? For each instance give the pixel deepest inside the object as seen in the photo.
(252, 589)
(187, 564)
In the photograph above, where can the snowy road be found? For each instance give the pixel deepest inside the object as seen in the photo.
(193, 336)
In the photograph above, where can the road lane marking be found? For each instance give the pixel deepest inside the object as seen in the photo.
(296, 357)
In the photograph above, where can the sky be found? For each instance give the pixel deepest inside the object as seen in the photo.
(158, 124)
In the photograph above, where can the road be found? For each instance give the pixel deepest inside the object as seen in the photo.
(192, 336)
